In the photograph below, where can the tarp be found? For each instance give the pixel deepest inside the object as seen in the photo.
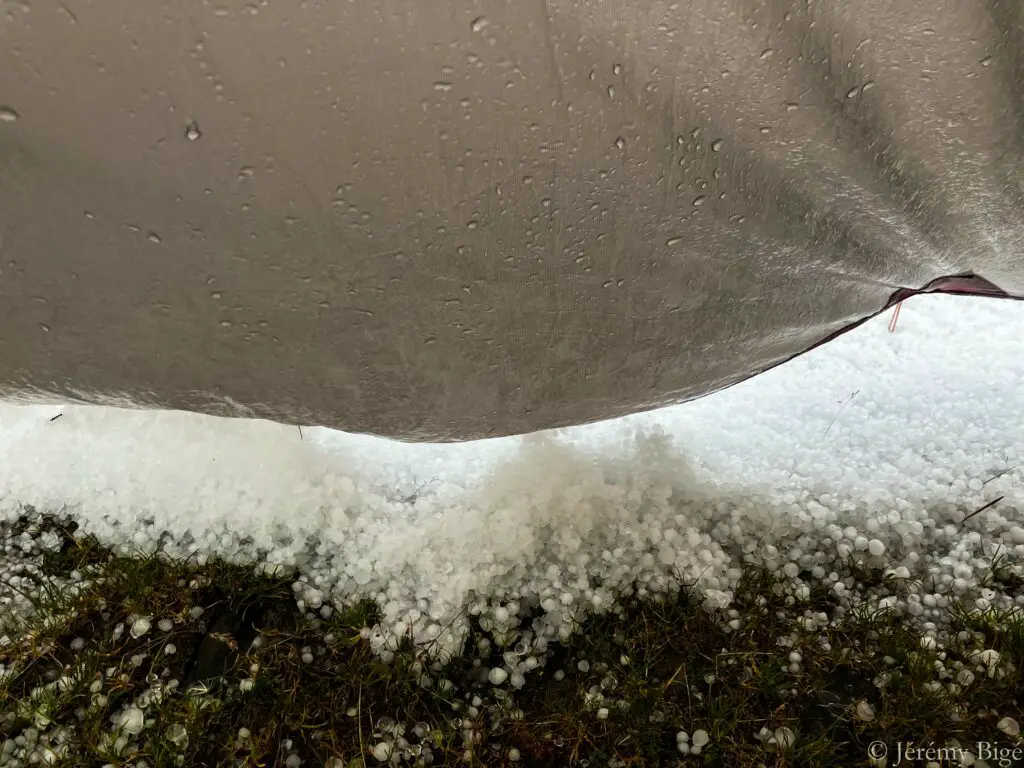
(453, 220)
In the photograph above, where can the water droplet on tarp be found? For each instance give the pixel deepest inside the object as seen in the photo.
(766, 53)
(853, 92)
(479, 24)
(192, 131)
(153, 237)
(245, 172)
(673, 241)
(442, 85)
(699, 200)
(8, 114)
(45, 327)
(620, 143)
(791, 106)
(717, 144)
(616, 69)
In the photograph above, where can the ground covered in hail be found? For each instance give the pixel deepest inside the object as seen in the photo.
(820, 566)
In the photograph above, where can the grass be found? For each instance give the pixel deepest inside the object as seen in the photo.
(242, 677)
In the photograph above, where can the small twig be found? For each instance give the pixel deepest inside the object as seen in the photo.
(998, 475)
(680, 668)
(696, 580)
(359, 723)
(689, 703)
(300, 434)
(846, 402)
(982, 509)
(57, 416)
(411, 498)
(429, 644)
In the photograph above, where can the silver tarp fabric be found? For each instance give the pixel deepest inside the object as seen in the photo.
(452, 220)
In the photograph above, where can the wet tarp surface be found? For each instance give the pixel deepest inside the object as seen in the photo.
(446, 221)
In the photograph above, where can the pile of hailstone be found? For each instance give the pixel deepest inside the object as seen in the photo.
(558, 552)
(561, 531)
(21, 571)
